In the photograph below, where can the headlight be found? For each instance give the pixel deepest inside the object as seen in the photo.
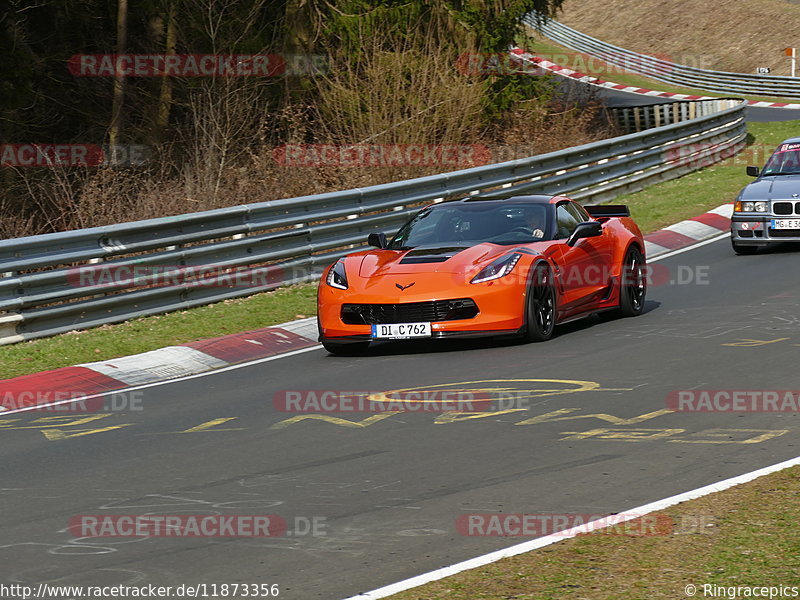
(337, 277)
(498, 268)
(750, 206)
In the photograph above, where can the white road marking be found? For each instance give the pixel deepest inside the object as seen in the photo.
(166, 381)
(721, 236)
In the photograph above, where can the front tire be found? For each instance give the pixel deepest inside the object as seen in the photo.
(540, 309)
(633, 284)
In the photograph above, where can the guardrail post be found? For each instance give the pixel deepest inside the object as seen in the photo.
(8, 328)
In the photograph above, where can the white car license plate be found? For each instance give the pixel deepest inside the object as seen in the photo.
(401, 331)
(786, 223)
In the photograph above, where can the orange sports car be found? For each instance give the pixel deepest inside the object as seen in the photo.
(485, 267)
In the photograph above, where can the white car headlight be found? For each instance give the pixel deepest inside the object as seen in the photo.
(337, 277)
(498, 268)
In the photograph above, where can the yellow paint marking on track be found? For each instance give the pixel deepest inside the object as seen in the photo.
(335, 420)
(210, 425)
(579, 386)
(765, 434)
(59, 434)
(58, 421)
(622, 435)
(748, 343)
(452, 417)
(558, 415)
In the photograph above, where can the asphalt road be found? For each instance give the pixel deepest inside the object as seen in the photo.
(385, 490)
(616, 98)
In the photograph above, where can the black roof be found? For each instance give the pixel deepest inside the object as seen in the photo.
(533, 199)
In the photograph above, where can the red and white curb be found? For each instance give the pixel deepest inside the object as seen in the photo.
(91, 379)
(596, 81)
(686, 233)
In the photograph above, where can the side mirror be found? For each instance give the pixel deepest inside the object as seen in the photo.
(753, 171)
(585, 230)
(378, 240)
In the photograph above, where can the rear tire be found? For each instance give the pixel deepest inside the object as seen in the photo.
(633, 285)
(346, 349)
(743, 250)
(540, 309)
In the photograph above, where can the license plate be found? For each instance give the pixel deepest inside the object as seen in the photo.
(786, 223)
(401, 331)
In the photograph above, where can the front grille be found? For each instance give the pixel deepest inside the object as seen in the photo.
(410, 312)
(782, 208)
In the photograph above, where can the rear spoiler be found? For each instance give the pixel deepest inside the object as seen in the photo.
(602, 211)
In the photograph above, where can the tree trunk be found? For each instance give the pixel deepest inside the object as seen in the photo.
(119, 77)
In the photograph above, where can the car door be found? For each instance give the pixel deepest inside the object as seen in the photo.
(583, 269)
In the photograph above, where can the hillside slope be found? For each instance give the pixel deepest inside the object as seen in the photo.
(731, 35)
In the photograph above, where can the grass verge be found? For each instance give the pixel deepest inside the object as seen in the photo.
(671, 201)
(590, 65)
(743, 536)
(150, 333)
(653, 208)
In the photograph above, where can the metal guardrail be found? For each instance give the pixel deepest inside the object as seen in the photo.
(721, 82)
(60, 282)
(630, 119)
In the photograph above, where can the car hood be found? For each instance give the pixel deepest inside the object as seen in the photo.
(429, 259)
(772, 188)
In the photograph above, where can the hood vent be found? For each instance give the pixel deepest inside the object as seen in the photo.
(429, 255)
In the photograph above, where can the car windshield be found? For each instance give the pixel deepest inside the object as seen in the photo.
(784, 161)
(463, 223)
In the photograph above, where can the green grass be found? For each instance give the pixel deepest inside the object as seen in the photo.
(150, 333)
(595, 67)
(666, 203)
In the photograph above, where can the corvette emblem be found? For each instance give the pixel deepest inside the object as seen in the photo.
(405, 287)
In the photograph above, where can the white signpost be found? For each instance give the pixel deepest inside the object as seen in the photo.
(792, 52)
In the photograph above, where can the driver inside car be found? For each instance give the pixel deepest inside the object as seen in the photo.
(534, 222)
